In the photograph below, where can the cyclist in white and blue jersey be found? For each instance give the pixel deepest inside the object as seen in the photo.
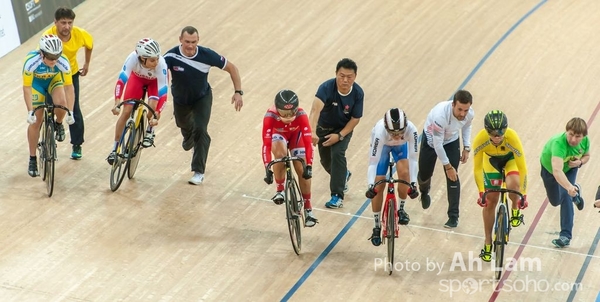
(393, 134)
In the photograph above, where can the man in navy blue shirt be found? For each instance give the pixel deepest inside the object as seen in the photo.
(336, 110)
(192, 95)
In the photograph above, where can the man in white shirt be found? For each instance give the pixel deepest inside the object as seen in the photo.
(440, 140)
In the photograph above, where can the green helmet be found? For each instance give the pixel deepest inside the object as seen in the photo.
(495, 120)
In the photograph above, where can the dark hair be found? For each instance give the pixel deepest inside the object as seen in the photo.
(189, 29)
(578, 126)
(64, 13)
(347, 64)
(463, 97)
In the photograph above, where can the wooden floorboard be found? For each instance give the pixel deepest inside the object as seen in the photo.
(160, 239)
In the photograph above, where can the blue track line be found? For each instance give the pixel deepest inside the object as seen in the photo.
(325, 252)
(584, 268)
(489, 53)
(350, 223)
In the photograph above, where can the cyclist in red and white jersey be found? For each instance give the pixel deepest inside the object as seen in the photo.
(286, 126)
(144, 67)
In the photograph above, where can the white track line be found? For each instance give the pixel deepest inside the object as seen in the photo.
(436, 230)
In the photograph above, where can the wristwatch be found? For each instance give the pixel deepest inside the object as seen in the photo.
(468, 149)
(341, 137)
(241, 92)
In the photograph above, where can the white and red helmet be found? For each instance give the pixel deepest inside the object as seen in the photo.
(147, 48)
(51, 44)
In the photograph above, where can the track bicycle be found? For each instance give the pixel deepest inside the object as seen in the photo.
(389, 215)
(129, 148)
(502, 224)
(46, 147)
(294, 203)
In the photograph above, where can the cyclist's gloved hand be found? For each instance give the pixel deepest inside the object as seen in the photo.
(371, 192)
(412, 191)
(523, 203)
(70, 119)
(31, 119)
(480, 200)
(269, 177)
(307, 174)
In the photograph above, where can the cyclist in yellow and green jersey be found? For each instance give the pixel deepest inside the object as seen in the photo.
(498, 148)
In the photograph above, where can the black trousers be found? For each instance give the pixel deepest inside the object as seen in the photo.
(333, 160)
(76, 130)
(193, 120)
(427, 159)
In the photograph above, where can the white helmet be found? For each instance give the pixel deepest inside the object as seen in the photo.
(147, 48)
(51, 44)
(395, 121)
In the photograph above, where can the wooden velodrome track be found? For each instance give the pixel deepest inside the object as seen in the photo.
(160, 239)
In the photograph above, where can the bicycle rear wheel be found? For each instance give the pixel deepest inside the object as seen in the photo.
(137, 147)
(391, 233)
(121, 163)
(50, 157)
(500, 240)
(292, 212)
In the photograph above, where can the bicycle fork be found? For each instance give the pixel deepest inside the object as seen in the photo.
(384, 217)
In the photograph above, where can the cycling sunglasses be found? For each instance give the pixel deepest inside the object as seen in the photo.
(497, 133)
(287, 113)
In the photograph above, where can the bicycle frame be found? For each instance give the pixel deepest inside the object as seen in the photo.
(294, 203)
(128, 150)
(502, 227)
(389, 216)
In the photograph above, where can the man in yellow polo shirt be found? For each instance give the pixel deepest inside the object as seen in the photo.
(73, 38)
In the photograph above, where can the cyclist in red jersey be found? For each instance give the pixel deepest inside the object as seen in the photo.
(286, 126)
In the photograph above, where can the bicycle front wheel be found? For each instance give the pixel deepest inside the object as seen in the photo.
(391, 233)
(292, 212)
(121, 163)
(500, 240)
(50, 158)
(136, 147)
(41, 151)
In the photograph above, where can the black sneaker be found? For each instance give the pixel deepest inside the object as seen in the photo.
(33, 170)
(561, 242)
(451, 223)
(60, 132)
(376, 237)
(578, 200)
(425, 200)
(403, 217)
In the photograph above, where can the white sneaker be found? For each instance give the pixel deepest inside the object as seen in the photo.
(70, 119)
(197, 179)
(148, 140)
(310, 220)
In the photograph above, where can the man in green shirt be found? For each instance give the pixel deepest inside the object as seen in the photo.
(561, 158)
